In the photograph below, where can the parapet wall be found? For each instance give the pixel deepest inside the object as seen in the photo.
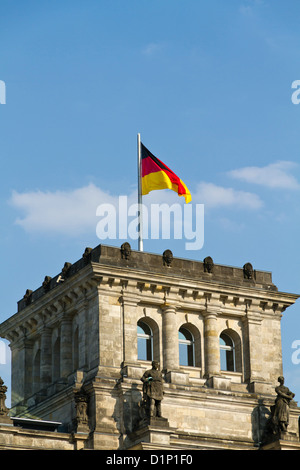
(165, 263)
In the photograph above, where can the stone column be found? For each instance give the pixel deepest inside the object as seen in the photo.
(211, 344)
(173, 374)
(66, 366)
(170, 338)
(46, 358)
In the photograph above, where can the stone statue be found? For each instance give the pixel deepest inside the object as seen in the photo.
(152, 391)
(280, 416)
(279, 419)
(3, 390)
(81, 405)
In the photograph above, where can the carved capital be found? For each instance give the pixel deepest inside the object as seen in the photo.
(169, 307)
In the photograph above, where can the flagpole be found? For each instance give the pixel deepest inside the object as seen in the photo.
(140, 207)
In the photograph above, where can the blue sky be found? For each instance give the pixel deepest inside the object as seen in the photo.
(208, 86)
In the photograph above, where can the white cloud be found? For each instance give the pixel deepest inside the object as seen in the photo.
(214, 196)
(275, 175)
(73, 212)
(65, 212)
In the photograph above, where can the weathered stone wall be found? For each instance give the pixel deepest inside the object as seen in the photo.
(81, 331)
(14, 438)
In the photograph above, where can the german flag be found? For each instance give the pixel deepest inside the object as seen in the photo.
(156, 175)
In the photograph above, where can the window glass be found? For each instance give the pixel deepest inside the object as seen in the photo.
(186, 347)
(227, 353)
(144, 341)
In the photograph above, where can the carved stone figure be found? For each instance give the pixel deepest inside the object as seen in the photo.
(64, 272)
(208, 265)
(126, 250)
(66, 269)
(152, 390)
(87, 254)
(28, 296)
(81, 405)
(167, 257)
(279, 419)
(280, 416)
(248, 271)
(3, 389)
(46, 283)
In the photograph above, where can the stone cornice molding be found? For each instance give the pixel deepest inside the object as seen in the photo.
(141, 287)
(128, 300)
(189, 295)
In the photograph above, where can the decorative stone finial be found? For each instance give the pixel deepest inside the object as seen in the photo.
(66, 269)
(248, 271)
(167, 258)
(208, 264)
(28, 296)
(87, 254)
(46, 283)
(126, 250)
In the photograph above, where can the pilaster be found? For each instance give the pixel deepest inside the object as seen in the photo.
(253, 343)
(46, 359)
(66, 346)
(129, 306)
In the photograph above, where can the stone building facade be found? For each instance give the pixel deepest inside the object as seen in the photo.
(81, 342)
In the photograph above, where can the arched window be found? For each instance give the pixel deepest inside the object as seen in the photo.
(227, 353)
(144, 341)
(186, 347)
